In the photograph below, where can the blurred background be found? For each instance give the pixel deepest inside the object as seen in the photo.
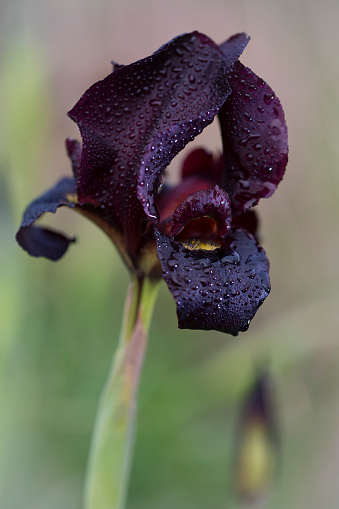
(59, 322)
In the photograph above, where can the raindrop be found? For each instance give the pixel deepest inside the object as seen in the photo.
(155, 102)
(268, 98)
(233, 258)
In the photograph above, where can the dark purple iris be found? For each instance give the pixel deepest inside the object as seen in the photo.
(132, 124)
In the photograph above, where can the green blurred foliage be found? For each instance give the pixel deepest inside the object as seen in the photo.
(60, 322)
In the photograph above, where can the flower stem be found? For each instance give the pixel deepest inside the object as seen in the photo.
(112, 443)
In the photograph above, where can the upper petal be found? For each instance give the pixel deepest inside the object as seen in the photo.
(220, 288)
(45, 242)
(254, 136)
(233, 47)
(139, 117)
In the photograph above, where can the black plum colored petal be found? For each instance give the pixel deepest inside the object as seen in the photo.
(254, 137)
(138, 118)
(233, 47)
(44, 242)
(206, 90)
(170, 197)
(202, 163)
(218, 289)
(115, 65)
(73, 148)
(212, 205)
(248, 220)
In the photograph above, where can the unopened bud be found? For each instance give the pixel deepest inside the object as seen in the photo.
(257, 451)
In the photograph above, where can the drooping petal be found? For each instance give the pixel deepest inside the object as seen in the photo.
(203, 215)
(45, 242)
(138, 118)
(254, 136)
(215, 287)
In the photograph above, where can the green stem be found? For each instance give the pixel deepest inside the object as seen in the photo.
(113, 437)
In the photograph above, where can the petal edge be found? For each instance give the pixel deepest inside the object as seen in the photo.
(219, 289)
(39, 241)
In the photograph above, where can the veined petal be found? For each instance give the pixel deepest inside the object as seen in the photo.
(215, 287)
(38, 241)
(138, 118)
(254, 136)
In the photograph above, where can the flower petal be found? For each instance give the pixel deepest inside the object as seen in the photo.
(73, 148)
(218, 289)
(202, 163)
(248, 220)
(170, 197)
(254, 136)
(233, 47)
(213, 205)
(44, 242)
(143, 114)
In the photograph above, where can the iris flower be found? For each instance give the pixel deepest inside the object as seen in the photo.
(200, 234)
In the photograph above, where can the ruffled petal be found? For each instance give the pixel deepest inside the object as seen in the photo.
(215, 287)
(203, 215)
(45, 242)
(254, 136)
(170, 197)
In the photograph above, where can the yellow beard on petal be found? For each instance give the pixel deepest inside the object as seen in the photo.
(72, 197)
(197, 245)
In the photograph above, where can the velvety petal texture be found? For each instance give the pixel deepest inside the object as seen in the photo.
(138, 118)
(38, 241)
(203, 164)
(203, 215)
(233, 47)
(254, 137)
(132, 124)
(216, 287)
(73, 148)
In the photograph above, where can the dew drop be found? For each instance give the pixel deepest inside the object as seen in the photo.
(155, 103)
(268, 98)
(233, 258)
